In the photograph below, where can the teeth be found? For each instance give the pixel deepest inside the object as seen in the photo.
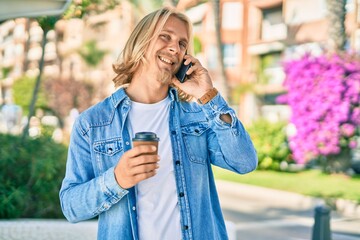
(166, 60)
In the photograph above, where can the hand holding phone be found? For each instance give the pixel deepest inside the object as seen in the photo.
(181, 74)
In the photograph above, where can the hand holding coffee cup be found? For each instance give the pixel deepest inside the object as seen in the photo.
(140, 162)
(146, 138)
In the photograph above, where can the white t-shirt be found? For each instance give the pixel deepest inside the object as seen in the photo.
(157, 204)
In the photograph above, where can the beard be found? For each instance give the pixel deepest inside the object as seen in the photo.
(165, 77)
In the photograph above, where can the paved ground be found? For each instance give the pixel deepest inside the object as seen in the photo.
(251, 213)
(47, 229)
(257, 213)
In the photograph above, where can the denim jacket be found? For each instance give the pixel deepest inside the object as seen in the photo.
(199, 138)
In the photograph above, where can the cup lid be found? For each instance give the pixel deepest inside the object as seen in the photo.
(145, 136)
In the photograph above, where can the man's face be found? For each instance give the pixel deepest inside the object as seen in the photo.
(166, 51)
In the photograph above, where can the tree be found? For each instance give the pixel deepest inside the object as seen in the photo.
(22, 96)
(336, 16)
(84, 8)
(78, 9)
(46, 24)
(220, 55)
(91, 54)
(65, 94)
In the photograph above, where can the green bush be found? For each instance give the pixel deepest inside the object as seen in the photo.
(271, 144)
(23, 92)
(30, 177)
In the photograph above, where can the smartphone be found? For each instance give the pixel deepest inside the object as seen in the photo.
(181, 74)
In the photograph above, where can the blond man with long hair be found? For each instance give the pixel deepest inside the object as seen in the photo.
(147, 192)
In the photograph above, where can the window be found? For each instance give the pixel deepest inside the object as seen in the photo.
(271, 71)
(212, 57)
(231, 55)
(273, 26)
(232, 16)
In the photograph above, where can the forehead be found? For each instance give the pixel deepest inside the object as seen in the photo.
(176, 26)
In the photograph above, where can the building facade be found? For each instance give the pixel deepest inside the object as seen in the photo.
(257, 36)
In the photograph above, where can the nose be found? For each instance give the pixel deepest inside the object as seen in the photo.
(174, 48)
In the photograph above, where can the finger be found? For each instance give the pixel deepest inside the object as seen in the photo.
(188, 58)
(191, 59)
(143, 159)
(145, 168)
(198, 70)
(141, 149)
(188, 61)
(143, 176)
(194, 68)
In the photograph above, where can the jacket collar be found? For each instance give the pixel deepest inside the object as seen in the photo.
(119, 95)
(173, 93)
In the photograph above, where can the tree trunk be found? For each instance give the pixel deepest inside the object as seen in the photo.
(36, 88)
(336, 16)
(27, 45)
(338, 163)
(223, 86)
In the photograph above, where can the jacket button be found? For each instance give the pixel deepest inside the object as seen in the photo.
(181, 194)
(186, 227)
(177, 162)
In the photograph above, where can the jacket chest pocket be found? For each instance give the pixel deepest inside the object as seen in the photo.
(194, 136)
(107, 153)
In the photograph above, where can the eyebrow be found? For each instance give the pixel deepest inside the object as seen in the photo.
(173, 32)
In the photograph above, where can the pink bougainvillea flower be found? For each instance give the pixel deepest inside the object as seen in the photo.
(323, 93)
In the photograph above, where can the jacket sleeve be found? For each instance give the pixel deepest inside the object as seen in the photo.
(230, 145)
(84, 195)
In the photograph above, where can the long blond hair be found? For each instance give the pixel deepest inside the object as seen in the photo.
(133, 53)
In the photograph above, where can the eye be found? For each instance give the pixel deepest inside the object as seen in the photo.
(183, 45)
(165, 36)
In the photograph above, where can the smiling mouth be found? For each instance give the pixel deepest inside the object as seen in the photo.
(166, 60)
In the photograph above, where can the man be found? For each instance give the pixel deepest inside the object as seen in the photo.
(135, 193)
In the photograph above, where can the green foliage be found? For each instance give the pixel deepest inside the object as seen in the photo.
(241, 89)
(6, 71)
(309, 182)
(91, 54)
(47, 130)
(79, 9)
(47, 23)
(197, 45)
(271, 143)
(267, 61)
(31, 175)
(22, 92)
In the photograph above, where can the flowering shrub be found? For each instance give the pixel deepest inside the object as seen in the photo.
(270, 143)
(324, 94)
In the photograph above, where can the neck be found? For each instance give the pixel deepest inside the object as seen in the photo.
(146, 89)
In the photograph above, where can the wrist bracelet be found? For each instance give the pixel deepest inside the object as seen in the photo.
(208, 96)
